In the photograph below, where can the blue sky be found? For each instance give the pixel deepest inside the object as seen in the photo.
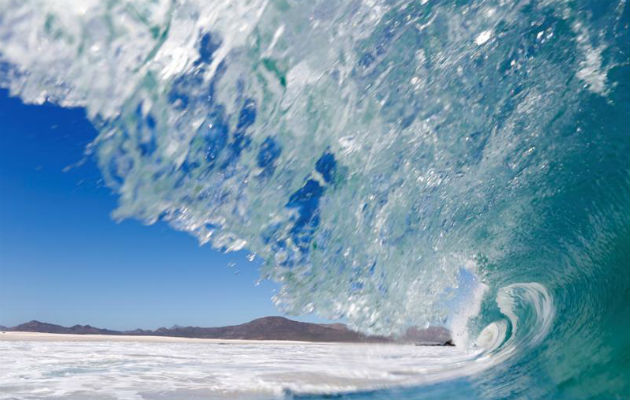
(64, 260)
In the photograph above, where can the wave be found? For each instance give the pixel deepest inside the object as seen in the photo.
(392, 163)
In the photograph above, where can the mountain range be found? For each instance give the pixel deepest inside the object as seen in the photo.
(266, 328)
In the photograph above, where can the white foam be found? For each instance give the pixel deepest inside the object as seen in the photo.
(535, 296)
(591, 71)
(135, 370)
(483, 37)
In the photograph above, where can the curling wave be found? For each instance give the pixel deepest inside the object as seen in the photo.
(393, 163)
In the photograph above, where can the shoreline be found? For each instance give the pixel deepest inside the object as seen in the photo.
(26, 336)
(18, 336)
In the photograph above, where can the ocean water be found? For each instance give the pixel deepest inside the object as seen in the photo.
(394, 163)
(168, 371)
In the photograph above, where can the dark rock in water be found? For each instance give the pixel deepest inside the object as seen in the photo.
(431, 336)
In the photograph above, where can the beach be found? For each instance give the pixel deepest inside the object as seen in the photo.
(11, 336)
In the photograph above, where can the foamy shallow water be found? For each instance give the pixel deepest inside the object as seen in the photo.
(141, 370)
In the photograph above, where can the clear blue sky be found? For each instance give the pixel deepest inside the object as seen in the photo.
(64, 260)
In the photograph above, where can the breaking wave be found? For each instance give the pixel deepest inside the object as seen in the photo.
(393, 163)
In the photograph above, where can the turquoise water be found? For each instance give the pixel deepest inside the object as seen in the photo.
(393, 163)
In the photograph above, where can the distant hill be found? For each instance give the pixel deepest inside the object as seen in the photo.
(36, 326)
(267, 328)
